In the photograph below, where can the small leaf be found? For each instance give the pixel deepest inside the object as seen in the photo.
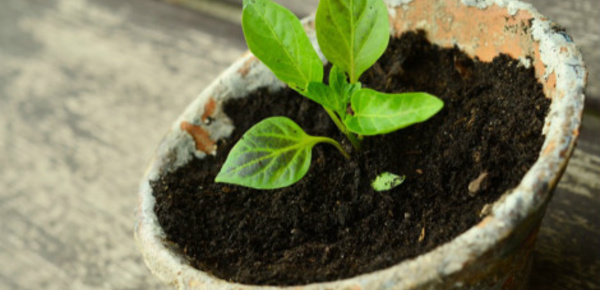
(338, 80)
(387, 181)
(352, 34)
(379, 113)
(344, 90)
(273, 153)
(323, 95)
(276, 37)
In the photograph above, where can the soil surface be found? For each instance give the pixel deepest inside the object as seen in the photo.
(332, 225)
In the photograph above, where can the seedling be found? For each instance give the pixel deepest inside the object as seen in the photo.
(352, 35)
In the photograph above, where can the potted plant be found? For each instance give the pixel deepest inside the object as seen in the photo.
(493, 253)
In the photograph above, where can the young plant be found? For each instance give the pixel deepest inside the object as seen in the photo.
(352, 35)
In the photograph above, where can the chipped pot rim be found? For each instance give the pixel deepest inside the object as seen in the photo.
(563, 75)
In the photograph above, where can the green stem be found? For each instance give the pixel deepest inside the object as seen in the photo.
(334, 143)
(336, 120)
(354, 140)
(351, 136)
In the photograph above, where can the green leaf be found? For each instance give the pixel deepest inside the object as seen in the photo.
(343, 90)
(274, 153)
(379, 113)
(276, 37)
(323, 95)
(352, 34)
(387, 181)
(337, 95)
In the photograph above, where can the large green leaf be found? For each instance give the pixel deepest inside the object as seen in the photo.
(379, 113)
(274, 153)
(352, 34)
(276, 37)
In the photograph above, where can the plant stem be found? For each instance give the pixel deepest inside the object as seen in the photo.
(334, 143)
(351, 136)
(353, 139)
(336, 120)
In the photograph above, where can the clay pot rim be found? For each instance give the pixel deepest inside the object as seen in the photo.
(534, 191)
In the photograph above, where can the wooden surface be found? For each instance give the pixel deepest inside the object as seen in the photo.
(88, 88)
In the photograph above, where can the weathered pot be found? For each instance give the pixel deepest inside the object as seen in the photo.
(493, 254)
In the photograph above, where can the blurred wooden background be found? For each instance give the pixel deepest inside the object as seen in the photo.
(88, 88)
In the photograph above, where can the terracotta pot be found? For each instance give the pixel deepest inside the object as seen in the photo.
(493, 254)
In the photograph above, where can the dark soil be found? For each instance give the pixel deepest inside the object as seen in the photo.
(331, 224)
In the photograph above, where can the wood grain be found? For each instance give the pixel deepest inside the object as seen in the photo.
(88, 88)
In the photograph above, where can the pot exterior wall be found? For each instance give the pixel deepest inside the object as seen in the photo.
(506, 265)
(496, 253)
